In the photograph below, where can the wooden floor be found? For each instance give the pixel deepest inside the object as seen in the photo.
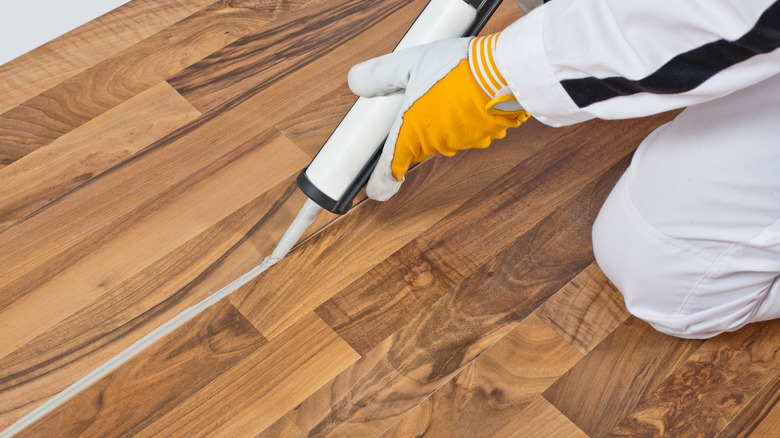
(148, 158)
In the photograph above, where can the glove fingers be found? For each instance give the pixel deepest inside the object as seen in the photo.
(382, 185)
(383, 75)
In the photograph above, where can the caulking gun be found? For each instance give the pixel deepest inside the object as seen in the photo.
(343, 165)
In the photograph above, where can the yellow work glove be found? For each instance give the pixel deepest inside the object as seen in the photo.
(455, 98)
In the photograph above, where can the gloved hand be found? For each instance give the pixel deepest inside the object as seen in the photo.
(455, 99)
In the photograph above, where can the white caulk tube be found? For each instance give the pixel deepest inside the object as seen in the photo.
(343, 164)
(355, 142)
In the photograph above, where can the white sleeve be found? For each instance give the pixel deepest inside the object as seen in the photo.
(573, 60)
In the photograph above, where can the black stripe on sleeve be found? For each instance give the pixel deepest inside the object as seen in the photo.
(686, 71)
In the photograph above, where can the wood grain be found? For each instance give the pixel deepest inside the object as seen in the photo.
(73, 102)
(253, 62)
(310, 129)
(455, 246)
(495, 387)
(159, 378)
(127, 212)
(70, 349)
(404, 369)
(606, 385)
(540, 420)
(760, 417)
(703, 394)
(121, 239)
(275, 301)
(586, 310)
(48, 65)
(284, 428)
(468, 295)
(260, 389)
(90, 150)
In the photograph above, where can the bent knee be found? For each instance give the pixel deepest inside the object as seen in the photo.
(664, 280)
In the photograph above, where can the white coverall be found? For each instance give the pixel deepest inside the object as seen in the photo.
(691, 233)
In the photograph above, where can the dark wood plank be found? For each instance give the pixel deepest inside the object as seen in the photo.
(494, 388)
(367, 311)
(73, 102)
(259, 60)
(161, 377)
(705, 392)
(761, 416)
(259, 390)
(404, 369)
(586, 310)
(627, 366)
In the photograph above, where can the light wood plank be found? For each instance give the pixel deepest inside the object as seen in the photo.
(40, 69)
(704, 393)
(125, 234)
(586, 310)
(88, 338)
(310, 129)
(42, 119)
(90, 150)
(540, 420)
(170, 218)
(259, 390)
(606, 385)
(495, 387)
(283, 428)
(159, 378)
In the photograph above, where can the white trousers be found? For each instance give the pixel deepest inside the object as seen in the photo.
(691, 232)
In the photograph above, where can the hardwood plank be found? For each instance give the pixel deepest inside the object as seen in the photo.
(606, 385)
(172, 163)
(109, 230)
(760, 417)
(48, 65)
(705, 392)
(90, 150)
(58, 110)
(159, 378)
(495, 387)
(260, 389)
(72, 348)
(405, 368)
(310, 129)
(540, 419)
(284, 427)
(586, 310)
(248, 63)
(364, 313)
(273, 302)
